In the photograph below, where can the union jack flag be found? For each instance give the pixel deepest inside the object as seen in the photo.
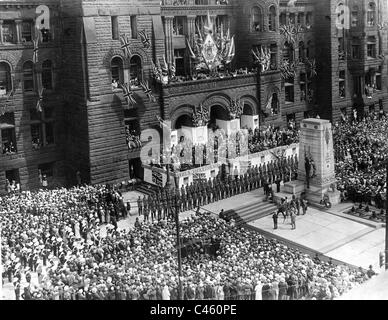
(147, 91)
(128, 94)
(144, 39)
(36, 47)
(125, 46)
(39, 103)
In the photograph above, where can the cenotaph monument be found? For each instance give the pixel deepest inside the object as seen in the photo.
(316, 169)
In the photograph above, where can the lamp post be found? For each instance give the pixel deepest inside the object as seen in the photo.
(178, 244)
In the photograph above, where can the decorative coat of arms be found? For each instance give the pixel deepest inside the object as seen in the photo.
(201, 116)
(209, 50)
(235, 108)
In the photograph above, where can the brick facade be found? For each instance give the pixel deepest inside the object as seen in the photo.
(89, 116)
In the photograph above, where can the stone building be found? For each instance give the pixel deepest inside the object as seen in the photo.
(290, 60)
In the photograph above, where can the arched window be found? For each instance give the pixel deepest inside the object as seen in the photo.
(256, 19)
(355, 16)
(28, 76)
(117, 71)
(288, 52)
(272, 19)
(301, 51)
(371, 14)
(275, 104)
(135, 71)
(5, 78)
(47, 75)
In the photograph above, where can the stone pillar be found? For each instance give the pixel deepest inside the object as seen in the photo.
(169, 45)
(190, 27)
(18, 31)
(1, 31)
(316, 141)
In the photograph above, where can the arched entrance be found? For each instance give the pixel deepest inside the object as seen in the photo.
(184, 120)
(217, 112)
(247, 111)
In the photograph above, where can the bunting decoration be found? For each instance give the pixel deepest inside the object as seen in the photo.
(263, 58)
(145, 40)
(287, 69)
(39, 104)
(236, 108)
(162, 123)
(128, 94)
(312, 67)
(125, 46)
(147, 91)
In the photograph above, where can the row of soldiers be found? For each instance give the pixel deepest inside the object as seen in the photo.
(163, 204)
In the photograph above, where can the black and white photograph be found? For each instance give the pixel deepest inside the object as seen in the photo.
(193, 154)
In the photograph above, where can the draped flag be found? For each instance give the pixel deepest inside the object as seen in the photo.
(39, 103)
(145, 40)
(147, 91)
(157, 178)
(36, 48)
(125, 46)
(128, 94)
(269, 105)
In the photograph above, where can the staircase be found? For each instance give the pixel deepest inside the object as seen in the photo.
(252, 212)
(147, 188)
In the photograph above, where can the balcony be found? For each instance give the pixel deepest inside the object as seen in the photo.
(209, 84)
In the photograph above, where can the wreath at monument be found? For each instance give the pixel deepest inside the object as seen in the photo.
(313, 172)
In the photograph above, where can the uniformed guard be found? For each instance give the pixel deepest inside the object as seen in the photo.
(153, 208)
(165, 209)
(184, 200)
(140, 206)
(145, 203)
(189, 201)
(146, 214)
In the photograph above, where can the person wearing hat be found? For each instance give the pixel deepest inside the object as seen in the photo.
(275, 220)
(140, 206)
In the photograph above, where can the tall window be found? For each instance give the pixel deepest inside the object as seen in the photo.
(275, 104)
(47, 75)
(379, 79)
(28, 78)
(135, 71)
(7, 133)
(133, 27)
(302, 51)
(42, 128)
(309, 50)
(309, 20)
(115, 27)
(179, 56)
(178, 26)
(289, 90)
(357, 86)
(341, 84)
(26, 31)
(356, 48)
(117, 70)
(222, 22)
(292, 18)
(5, 78)
(302, 83)
(9, 31)
(371, 14)
(300, 19)
(274, 57)
(256, 19)
(354, 16)
(282, 19)
(288, 52)
(371, 47)
(272, 19)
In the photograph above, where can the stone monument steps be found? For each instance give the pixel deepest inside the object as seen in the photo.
(252, 212)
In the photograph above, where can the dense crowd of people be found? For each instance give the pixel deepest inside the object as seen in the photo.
(361, 148)
(57, 234)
